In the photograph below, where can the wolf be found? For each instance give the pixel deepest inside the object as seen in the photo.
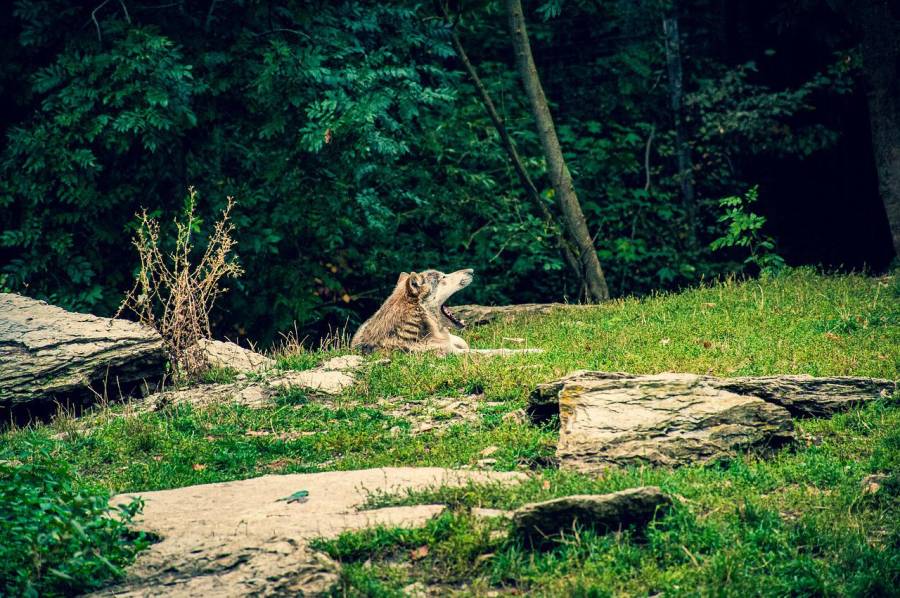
(414, 317)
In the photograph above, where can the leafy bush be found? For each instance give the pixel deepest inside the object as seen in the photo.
(59, 536)
(358, 149)
(745, 230)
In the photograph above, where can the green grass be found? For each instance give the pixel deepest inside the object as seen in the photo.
(797, 523)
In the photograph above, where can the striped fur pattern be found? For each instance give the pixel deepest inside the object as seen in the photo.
(414, 318)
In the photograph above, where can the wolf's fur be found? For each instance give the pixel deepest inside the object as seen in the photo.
(411, 319)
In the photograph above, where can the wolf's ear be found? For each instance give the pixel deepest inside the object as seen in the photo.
(414, 284)
(402, 278)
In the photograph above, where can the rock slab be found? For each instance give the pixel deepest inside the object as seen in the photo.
(540, 521)
(476, 315)
(222, 354)
(806, 396)
(328, 379)
(613, 418)
(49, 354)
(243, 538)
(664, 420)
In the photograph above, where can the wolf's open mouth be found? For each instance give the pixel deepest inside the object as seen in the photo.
(449, 315)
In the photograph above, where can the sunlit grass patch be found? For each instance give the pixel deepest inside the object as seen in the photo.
(798, 522)
(801, 522)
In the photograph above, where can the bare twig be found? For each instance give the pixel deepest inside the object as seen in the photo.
(125, 8)
(209, 15)
(283, 30)
(647, 157)
(96, 22)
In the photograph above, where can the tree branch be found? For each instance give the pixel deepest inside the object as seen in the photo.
(209, 15)
(530, 189)
(647, 157)
(96, 22)
(566, 197)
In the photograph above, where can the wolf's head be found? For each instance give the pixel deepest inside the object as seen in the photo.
(431, 289)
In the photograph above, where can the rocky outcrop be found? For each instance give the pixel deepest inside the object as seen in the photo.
(476, 315)
(806, 396)
(250, 538)
(635, 507)
(328, 379)
(674, 419)
(49, 354)
(221, 354)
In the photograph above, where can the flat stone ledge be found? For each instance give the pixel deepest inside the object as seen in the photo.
(247, 538)
(477, 315)
(635, 507)
(49, 354)
(618, 419)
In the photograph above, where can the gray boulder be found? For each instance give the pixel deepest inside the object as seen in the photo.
(49, 354)
(537, 522)
(222, 354)
(806, 396)
(613, 418)
(664, 420)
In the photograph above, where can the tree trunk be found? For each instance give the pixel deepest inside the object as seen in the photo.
(566, 198)
(881, 64)
(682, 150)
(48, 354)
(565, 247)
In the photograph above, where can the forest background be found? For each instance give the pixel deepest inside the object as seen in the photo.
(356, 146)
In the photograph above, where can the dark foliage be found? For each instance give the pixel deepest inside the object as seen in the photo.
(59, 538)
(356, 148)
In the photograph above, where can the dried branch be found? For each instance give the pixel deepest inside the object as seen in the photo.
(174, 296)
(647, 157)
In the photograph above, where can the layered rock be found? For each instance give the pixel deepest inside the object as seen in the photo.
(665, 420)
(806, 396)
(222, 354)
(802, 395)
(635, 507)
(611, 418)
(476, 315)
(48, 354)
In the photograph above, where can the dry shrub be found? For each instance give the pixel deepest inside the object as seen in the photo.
(175, 297)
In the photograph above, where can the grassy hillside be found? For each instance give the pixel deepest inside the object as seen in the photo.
(798, 523)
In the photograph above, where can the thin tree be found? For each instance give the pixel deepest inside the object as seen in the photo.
(880, 21)
(566, 198)
(566, 247)
(676, 94)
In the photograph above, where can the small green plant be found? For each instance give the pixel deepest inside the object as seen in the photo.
(745, 230)
(59, 537)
